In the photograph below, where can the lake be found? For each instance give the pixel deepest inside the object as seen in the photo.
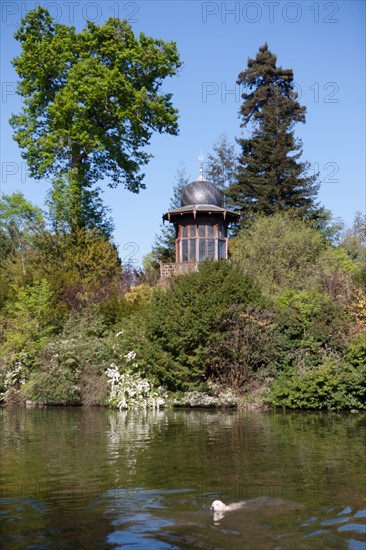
(99, 479)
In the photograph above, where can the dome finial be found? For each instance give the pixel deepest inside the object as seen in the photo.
(201, 159)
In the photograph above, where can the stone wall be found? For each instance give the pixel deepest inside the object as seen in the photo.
(169, 270)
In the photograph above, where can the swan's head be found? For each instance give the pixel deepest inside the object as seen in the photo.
(218, 506)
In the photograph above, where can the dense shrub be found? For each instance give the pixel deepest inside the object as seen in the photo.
(242, 345)
(310, 327)
(129, 390)
(70, 367)
(279, 251)
(57, 386)
(283, 251)
(29, 316)
(355, 353)
(287, 309)
(331, 386)
(183, 319)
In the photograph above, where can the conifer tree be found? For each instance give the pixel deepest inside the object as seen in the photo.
(164, 246)
(271, 177)
(221, 169)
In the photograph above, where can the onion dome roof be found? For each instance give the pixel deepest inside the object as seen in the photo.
(201, 191)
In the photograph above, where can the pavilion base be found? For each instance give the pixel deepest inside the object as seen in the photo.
(169, 270)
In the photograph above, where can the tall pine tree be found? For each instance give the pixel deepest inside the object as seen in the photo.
(271, 177)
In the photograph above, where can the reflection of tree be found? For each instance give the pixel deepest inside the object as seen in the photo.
(329, 453)
(78, 464)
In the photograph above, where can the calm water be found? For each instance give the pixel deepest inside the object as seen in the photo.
(91, 478)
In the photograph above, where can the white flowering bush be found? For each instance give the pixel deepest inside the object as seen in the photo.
(11, 379)
(129, 390)
(14, 376)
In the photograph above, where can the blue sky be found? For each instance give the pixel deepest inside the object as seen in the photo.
(323, 42)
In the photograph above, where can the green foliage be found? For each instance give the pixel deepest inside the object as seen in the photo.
(19, 219)
(92, 101)
(310, 327)
(337, 274)
(29, 316)
(182, 320)
(279, 251)
(117, 308)
(95, 214)
(354, 239)
(54, 275)
(243, 345)
(19, 213)
(81, 268)
(284, 252)
(270, 176)
(70, 313)
(89, 260)
(14, 372)
(355, 353)
(331, 386)
(57, 386)
(354, 244)
(70, 367)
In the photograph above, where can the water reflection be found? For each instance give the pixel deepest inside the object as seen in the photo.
(102, 479)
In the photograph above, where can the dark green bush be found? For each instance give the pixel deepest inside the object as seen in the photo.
(332, 386)
(355, 354)
(310, 327)
(243, 347)
(184, 319)
(57, 386)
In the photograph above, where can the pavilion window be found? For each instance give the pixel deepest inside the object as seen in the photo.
(192, 250)
(185, 250)
(222, 250)
(210, 231)
(201, 230)
(206, 249)
(222, 231)
(205, 241)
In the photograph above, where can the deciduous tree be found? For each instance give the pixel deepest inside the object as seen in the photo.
(92, 101)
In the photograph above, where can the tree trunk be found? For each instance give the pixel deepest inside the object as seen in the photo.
(77, 183)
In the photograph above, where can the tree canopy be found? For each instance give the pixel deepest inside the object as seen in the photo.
(92, 101)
